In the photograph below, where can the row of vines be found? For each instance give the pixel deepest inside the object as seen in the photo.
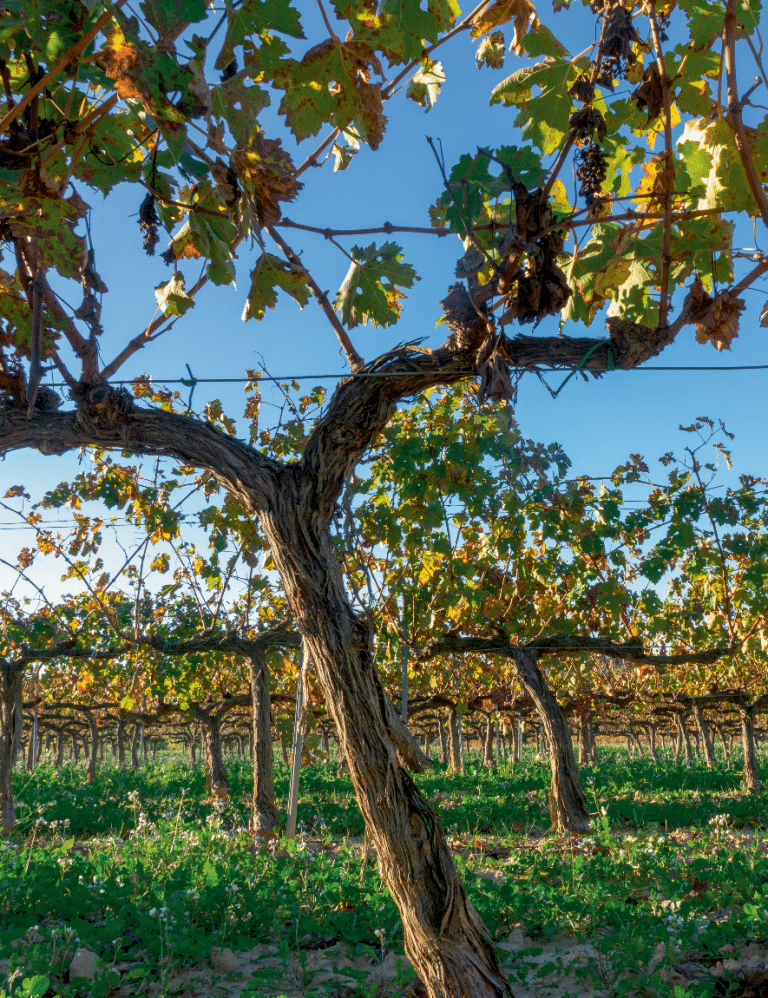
(636, 618)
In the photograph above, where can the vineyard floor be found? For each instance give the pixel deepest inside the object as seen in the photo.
(138, 885)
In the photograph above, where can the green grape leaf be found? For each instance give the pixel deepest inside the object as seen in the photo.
(171, 296)
(239, 105)
(726, 185)
(269, 274)
(541, 41)
(400, 27)
(370, 292)
(250, 18)
(332, 84)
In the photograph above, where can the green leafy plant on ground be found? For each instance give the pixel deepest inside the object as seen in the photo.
(151, 877)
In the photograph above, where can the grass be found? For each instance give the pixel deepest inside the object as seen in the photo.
(140, 869)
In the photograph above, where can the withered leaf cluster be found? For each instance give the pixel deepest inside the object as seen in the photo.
(650, 94)
(717, 319)
(616, 48)
(266, 172)
(467, 320)
(532, 283)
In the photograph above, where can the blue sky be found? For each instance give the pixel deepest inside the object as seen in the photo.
(598, 422)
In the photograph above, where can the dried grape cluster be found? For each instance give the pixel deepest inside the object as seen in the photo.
(148, 222)
(591, 168)
(616, 47)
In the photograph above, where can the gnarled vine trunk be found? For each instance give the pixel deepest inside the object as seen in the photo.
(135, 747)
(725, 739)
(11, 679)
(121, 743)
(650, 728)
(217, 782)
(263, 804)
(488, 759)
(90, 772)
(517, 736)
(444, 936)
(567, 805)
(683, 738)
(443, 735)
(455, 759)
(751, 773)
(705, 737)
(587, 747)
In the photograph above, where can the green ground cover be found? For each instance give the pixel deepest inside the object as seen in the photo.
(668, 896)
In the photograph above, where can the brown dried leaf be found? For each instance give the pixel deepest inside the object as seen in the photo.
(649, 94)
(502, 12)
(266, 170)
(491, 51)
(468, 328)
(717, 319)
(719, 325)
(495, 382)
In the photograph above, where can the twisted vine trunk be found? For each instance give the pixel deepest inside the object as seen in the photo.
(567, 805)
(586, 741)
(263, 804)
(725, 742)
(705, 737)
(11, 678)
(121, 743)
(651, 730)
(751, 773)
(443, 736)
(135, 747)
(454, 742)
(90, 772)
(684, 739)
(488, 759)
(444, 936)
(216, 781)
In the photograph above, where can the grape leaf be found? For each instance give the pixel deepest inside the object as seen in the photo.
(332, 84)
(254, 16)
(726, 185)
(171, 296)
(491, 51)
(502, 12)
(364, 297)
(269, 274)
(425, 85)
(400, 27)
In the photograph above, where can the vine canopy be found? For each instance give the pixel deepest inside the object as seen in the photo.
(653, 121)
